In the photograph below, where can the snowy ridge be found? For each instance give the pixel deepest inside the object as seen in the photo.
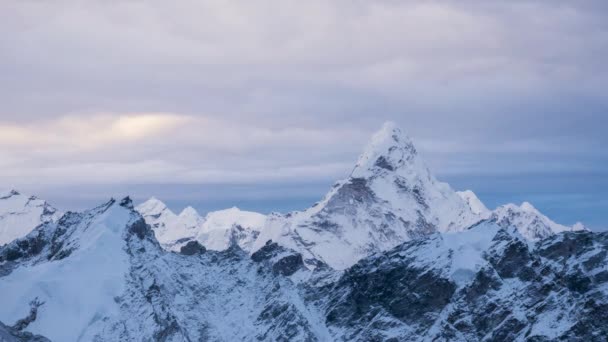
(77, 271)
(20, 214)
(101, 275)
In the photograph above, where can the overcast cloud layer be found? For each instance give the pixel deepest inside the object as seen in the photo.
(263, 104)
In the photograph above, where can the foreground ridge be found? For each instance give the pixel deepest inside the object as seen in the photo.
(105, 266)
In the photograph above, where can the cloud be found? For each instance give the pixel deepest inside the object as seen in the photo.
(289, 91)
(87, 131)
(116, 148)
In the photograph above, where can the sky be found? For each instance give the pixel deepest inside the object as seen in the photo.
(265, 104)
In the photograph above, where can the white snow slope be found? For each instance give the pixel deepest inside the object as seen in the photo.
(80, 289)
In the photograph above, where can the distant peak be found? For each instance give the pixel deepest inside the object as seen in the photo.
(155, 201)
(579, 226)
(151, 206)
(388, 149)
(527, 206)
(475, 204)
(189, 211)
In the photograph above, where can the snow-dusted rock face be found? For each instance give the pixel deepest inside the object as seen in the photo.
(390, 197)
(172, 231)
(20, 214)
(483, 285)
(530, 222)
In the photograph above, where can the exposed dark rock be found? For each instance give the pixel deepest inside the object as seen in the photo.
(192, 248)
(381, 162)
(24, 322)
(126, 202)
(284, 261)
(140, 228)
(9, 334)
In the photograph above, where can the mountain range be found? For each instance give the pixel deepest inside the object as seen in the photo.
(389, 254)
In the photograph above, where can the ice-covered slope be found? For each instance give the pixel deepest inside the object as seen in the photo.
(390, 197)
(20, 214)
(171, 230)
(74, 269)
(530, 222)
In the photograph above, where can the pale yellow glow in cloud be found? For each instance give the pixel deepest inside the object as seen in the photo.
(90, 131)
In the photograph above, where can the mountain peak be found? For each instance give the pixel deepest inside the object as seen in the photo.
(152, 206)
(477, 207)
(388, 149)
(189, 211)
(527, 206)
(579, 226)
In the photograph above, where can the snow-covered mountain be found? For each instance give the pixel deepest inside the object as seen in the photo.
(390, 197)
(530, 222)
(20, 214)
(100, 275)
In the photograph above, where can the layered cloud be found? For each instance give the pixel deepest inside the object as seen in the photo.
(115, 92)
